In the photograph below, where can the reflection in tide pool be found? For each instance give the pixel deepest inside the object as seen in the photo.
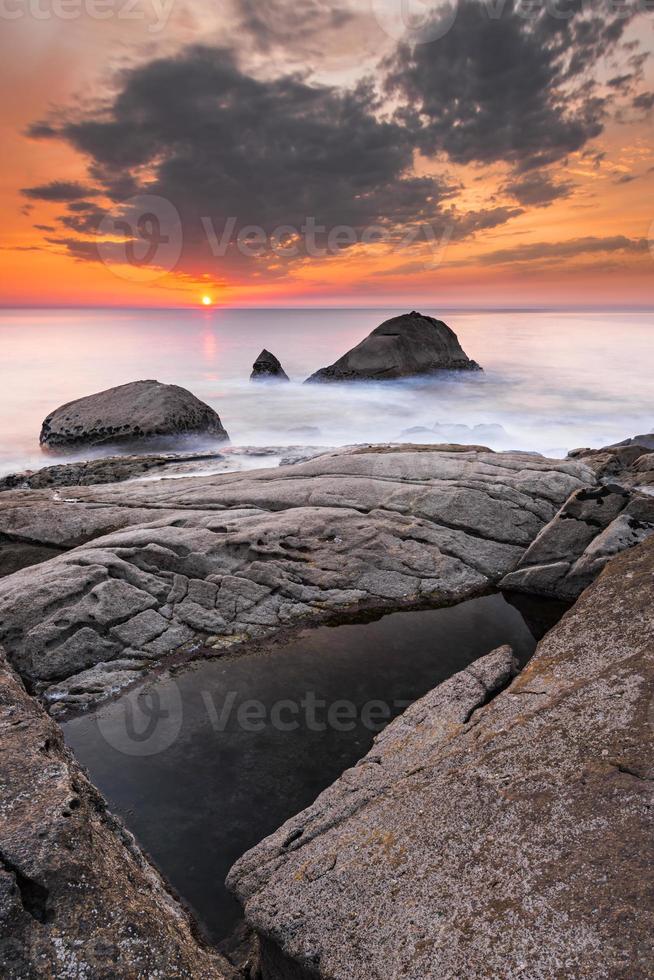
(226, 750)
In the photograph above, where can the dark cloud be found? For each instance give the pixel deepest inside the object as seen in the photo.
(555, 251)
(625, 178)
(59, 191)
(644, 101)
(83, 217)
(502, 86)
(537, 189)
(621, 81)
(218, 143)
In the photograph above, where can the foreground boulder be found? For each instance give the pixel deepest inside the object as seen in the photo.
(226, 558)
(77, 896)
(135, 412)
(268, 368)
(493, 830)
(407, 345)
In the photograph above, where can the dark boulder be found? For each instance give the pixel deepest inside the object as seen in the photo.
(139, 412)
(405, 346)
(268, 368)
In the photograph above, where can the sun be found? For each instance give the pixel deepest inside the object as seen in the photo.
(207, 301)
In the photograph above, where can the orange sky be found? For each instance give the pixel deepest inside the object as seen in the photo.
(50, 63)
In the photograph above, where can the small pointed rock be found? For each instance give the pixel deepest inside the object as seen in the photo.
(268, 368)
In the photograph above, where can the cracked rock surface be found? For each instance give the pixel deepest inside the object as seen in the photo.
(592, 526)
(495, 829)
(77, 896)
(231, 557)
(596, 523)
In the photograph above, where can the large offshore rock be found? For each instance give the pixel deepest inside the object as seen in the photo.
(135, 412)
(592, 526)
(77, 896)
(493, 830)
(234, 556)
(407, 345)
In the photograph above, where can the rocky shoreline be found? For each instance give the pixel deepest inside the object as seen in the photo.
(126, 575)
(224, 559)
(498, 828)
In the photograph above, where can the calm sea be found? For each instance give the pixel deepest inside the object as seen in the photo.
(552, 380)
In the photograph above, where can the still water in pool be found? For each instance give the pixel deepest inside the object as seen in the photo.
(204, 763)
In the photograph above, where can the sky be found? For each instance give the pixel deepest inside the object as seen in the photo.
(327, 153)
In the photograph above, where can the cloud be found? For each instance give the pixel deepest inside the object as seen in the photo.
(276, 21)
(504, 86)
(216, 142)
(644, 101)
(554, 251)
(537, 189)
(59, 191)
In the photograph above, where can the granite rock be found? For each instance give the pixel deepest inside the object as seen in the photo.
(239, 556)
(78, 898)
(404, 346)
(268, 368)
(109, 469)
(495, 829)
(592, 526)
(139, 412)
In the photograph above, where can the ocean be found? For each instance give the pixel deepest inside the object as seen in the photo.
(552, 380)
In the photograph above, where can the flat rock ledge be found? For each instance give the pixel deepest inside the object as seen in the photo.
(109, 469)
(78, 898)
(215, 561)
(495, 829)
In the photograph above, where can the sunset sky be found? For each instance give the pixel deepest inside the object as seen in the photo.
(386, 151)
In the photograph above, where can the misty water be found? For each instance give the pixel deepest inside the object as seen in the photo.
(241, 743)
(552, 380)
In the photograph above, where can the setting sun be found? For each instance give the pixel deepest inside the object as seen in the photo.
(206, 301)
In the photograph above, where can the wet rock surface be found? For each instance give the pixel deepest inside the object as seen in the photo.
(227, 558)
(77, 896)
(497, 828)
(404, 346)
(268, 368)
(138, 412)
(110, 469)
